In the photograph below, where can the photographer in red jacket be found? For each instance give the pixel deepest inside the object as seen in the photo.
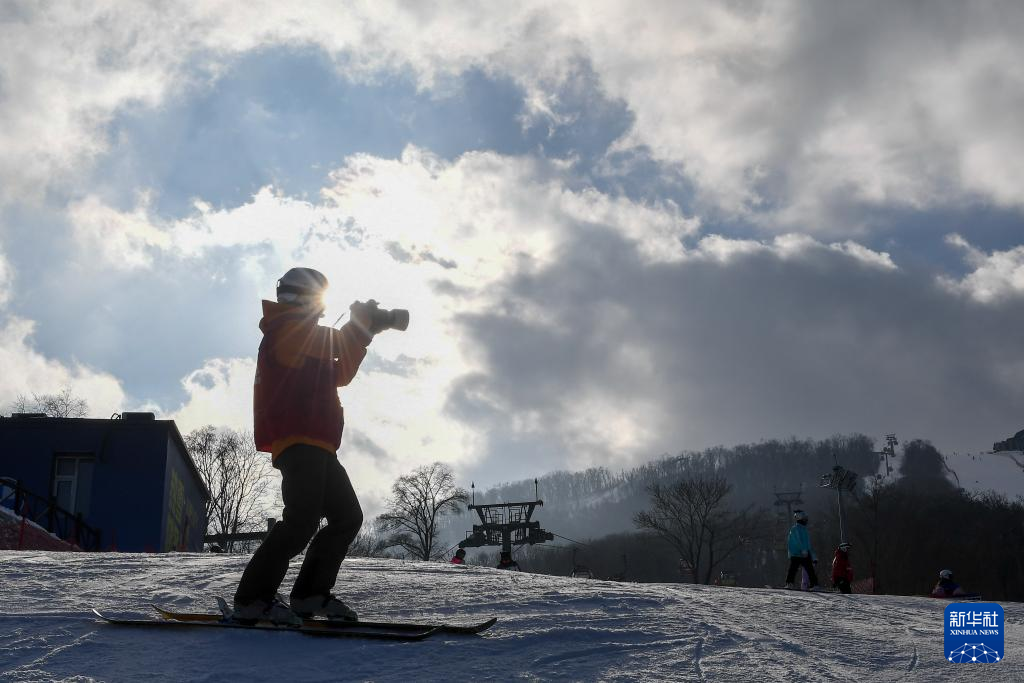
(298, 419)
(842, 571)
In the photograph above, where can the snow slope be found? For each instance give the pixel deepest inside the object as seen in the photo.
(550, 628)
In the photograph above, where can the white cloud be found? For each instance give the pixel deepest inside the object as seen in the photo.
(64, 72)
(6, 280)
(27, 372)
(787, 246)
(724, 249)
(878, 259)
(485, 214)
(996, 276)
(775, 108)
(788, 108)
(219, 393)
(124, 240)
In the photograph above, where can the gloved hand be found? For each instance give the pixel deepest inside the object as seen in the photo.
(363, 316)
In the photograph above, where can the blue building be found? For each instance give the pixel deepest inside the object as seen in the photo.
(130, 479)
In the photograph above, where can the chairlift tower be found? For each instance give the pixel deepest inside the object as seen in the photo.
(506, 524)
(889, 451)
(789, 499)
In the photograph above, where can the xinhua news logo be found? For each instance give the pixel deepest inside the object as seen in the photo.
(974, 633)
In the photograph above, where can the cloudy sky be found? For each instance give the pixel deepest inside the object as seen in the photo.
(623, 229)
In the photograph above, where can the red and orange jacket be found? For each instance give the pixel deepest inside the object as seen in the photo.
(298, 371)
(841, 568)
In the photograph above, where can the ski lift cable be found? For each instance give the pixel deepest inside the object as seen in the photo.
(569, 539)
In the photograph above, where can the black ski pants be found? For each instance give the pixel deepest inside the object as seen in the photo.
(843, 586)
(808, 564)
(314, 486)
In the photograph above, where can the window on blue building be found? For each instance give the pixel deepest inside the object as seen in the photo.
(7, 491)
(72, 482)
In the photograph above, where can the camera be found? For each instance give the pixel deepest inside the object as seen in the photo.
(380, 319)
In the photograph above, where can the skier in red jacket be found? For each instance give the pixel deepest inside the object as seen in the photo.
(298, 420)
(842, 570)
(947, 587)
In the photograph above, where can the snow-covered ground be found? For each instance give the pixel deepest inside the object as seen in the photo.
(550, 628)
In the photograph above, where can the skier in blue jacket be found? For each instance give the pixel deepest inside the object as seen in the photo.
(800, 553)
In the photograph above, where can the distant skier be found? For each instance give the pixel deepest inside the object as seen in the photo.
(947, 587)
(842, 570)
(506, 562)
(800, 553)
(298, 420)
(460, 556)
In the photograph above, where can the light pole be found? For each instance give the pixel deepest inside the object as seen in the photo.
(840, 479)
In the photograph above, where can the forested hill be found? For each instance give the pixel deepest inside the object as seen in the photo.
(597, 501)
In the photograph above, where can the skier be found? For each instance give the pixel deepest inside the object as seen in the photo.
(506, 562)
(947, 587)
(800, 553)
(460, 556)
(842, 570)
(299, 420)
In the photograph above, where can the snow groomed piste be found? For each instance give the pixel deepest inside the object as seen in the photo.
(548, 628)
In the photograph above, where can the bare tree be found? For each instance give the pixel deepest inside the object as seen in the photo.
(370, 542)
(63, 404)
(692, 516)
(238, 477)
(418, 502)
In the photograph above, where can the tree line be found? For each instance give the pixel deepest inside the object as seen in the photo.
(686, 518)
(904, 529)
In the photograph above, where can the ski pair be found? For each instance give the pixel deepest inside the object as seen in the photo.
(371, 634)
(374, 630)
(225, 615)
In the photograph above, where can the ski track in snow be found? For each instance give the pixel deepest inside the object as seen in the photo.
(549, 628)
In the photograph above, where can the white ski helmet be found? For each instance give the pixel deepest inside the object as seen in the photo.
(799, 516)
(301, 287)
(946, 574)
(845, 547)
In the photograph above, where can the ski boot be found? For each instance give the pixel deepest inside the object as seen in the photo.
(276, 612)
(328, 607)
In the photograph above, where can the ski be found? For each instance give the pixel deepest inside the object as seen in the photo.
(324, 624)
(355, 632)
